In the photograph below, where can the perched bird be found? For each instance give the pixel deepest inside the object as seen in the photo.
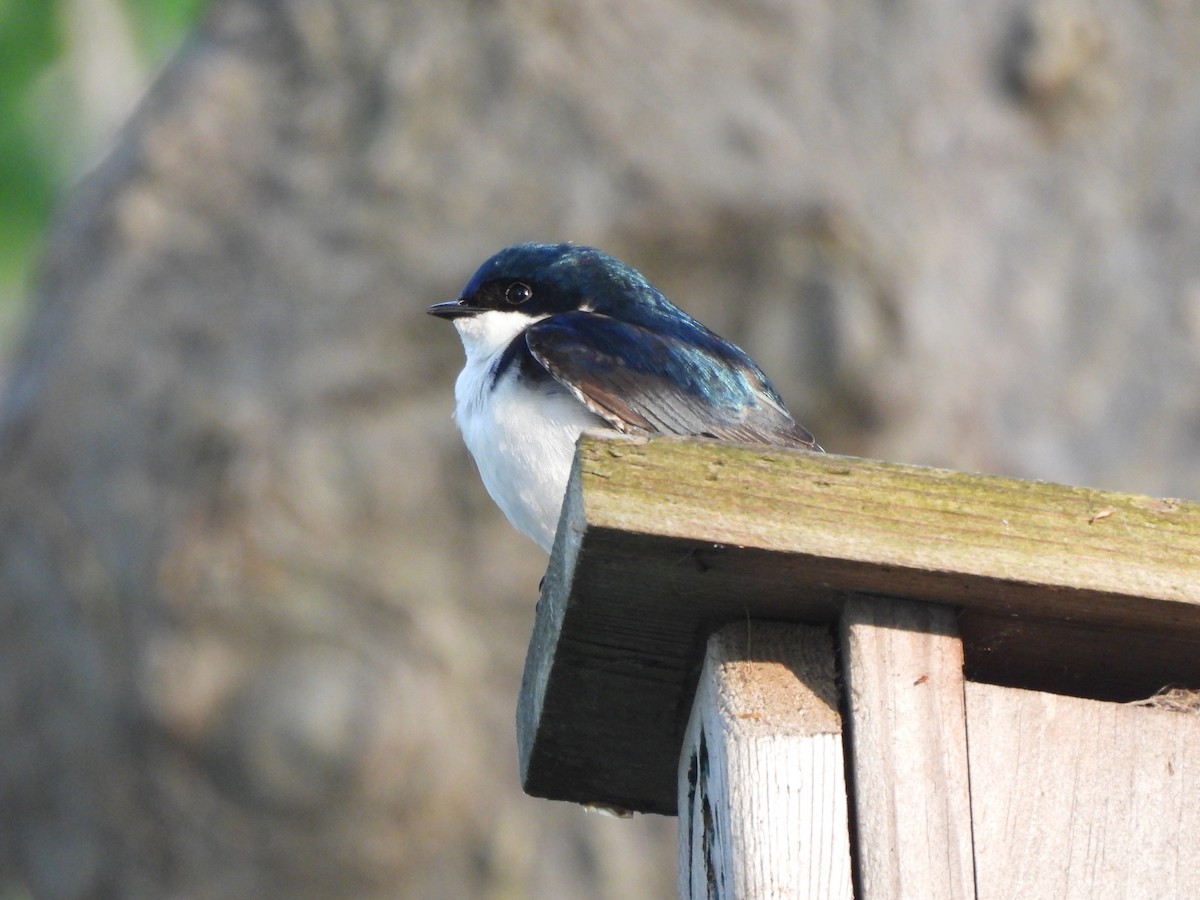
(560, 338)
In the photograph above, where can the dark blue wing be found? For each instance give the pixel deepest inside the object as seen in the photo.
(642, 381)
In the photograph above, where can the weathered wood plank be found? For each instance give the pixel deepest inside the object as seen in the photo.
(663, 541)
(1082, 799)
(762, 788)
(998, 544)
(902, 665)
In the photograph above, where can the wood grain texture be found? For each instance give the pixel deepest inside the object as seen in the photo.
(979, 541)
(663, 541)
(1077, 798)
(902, 664)
(762, 788)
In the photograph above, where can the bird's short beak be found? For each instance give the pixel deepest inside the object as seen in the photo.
(452, 309)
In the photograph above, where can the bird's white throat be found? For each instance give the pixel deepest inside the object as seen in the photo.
(486, 334)
(522, 437)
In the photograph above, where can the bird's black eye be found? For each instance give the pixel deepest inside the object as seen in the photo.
(518, 292)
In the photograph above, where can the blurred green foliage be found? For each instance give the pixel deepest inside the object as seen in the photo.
(43, 143)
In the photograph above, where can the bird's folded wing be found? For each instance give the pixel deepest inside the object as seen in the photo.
(642, 381)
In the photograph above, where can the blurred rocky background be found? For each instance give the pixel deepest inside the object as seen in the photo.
(261, 629)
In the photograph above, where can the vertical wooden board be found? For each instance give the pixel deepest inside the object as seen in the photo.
(762, 789)
(902, 663)
(1082, 799)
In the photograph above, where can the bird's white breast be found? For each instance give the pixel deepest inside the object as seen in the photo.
(522, 438)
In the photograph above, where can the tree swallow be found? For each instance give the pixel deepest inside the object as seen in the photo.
(561, 338)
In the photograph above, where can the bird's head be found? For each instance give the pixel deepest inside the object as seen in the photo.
(529, 282)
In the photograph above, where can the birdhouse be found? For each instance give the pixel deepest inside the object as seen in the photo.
(850, 678)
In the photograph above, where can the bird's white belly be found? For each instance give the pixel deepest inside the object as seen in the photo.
(523, 444)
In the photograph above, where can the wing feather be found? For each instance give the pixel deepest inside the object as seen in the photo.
(642, 381)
